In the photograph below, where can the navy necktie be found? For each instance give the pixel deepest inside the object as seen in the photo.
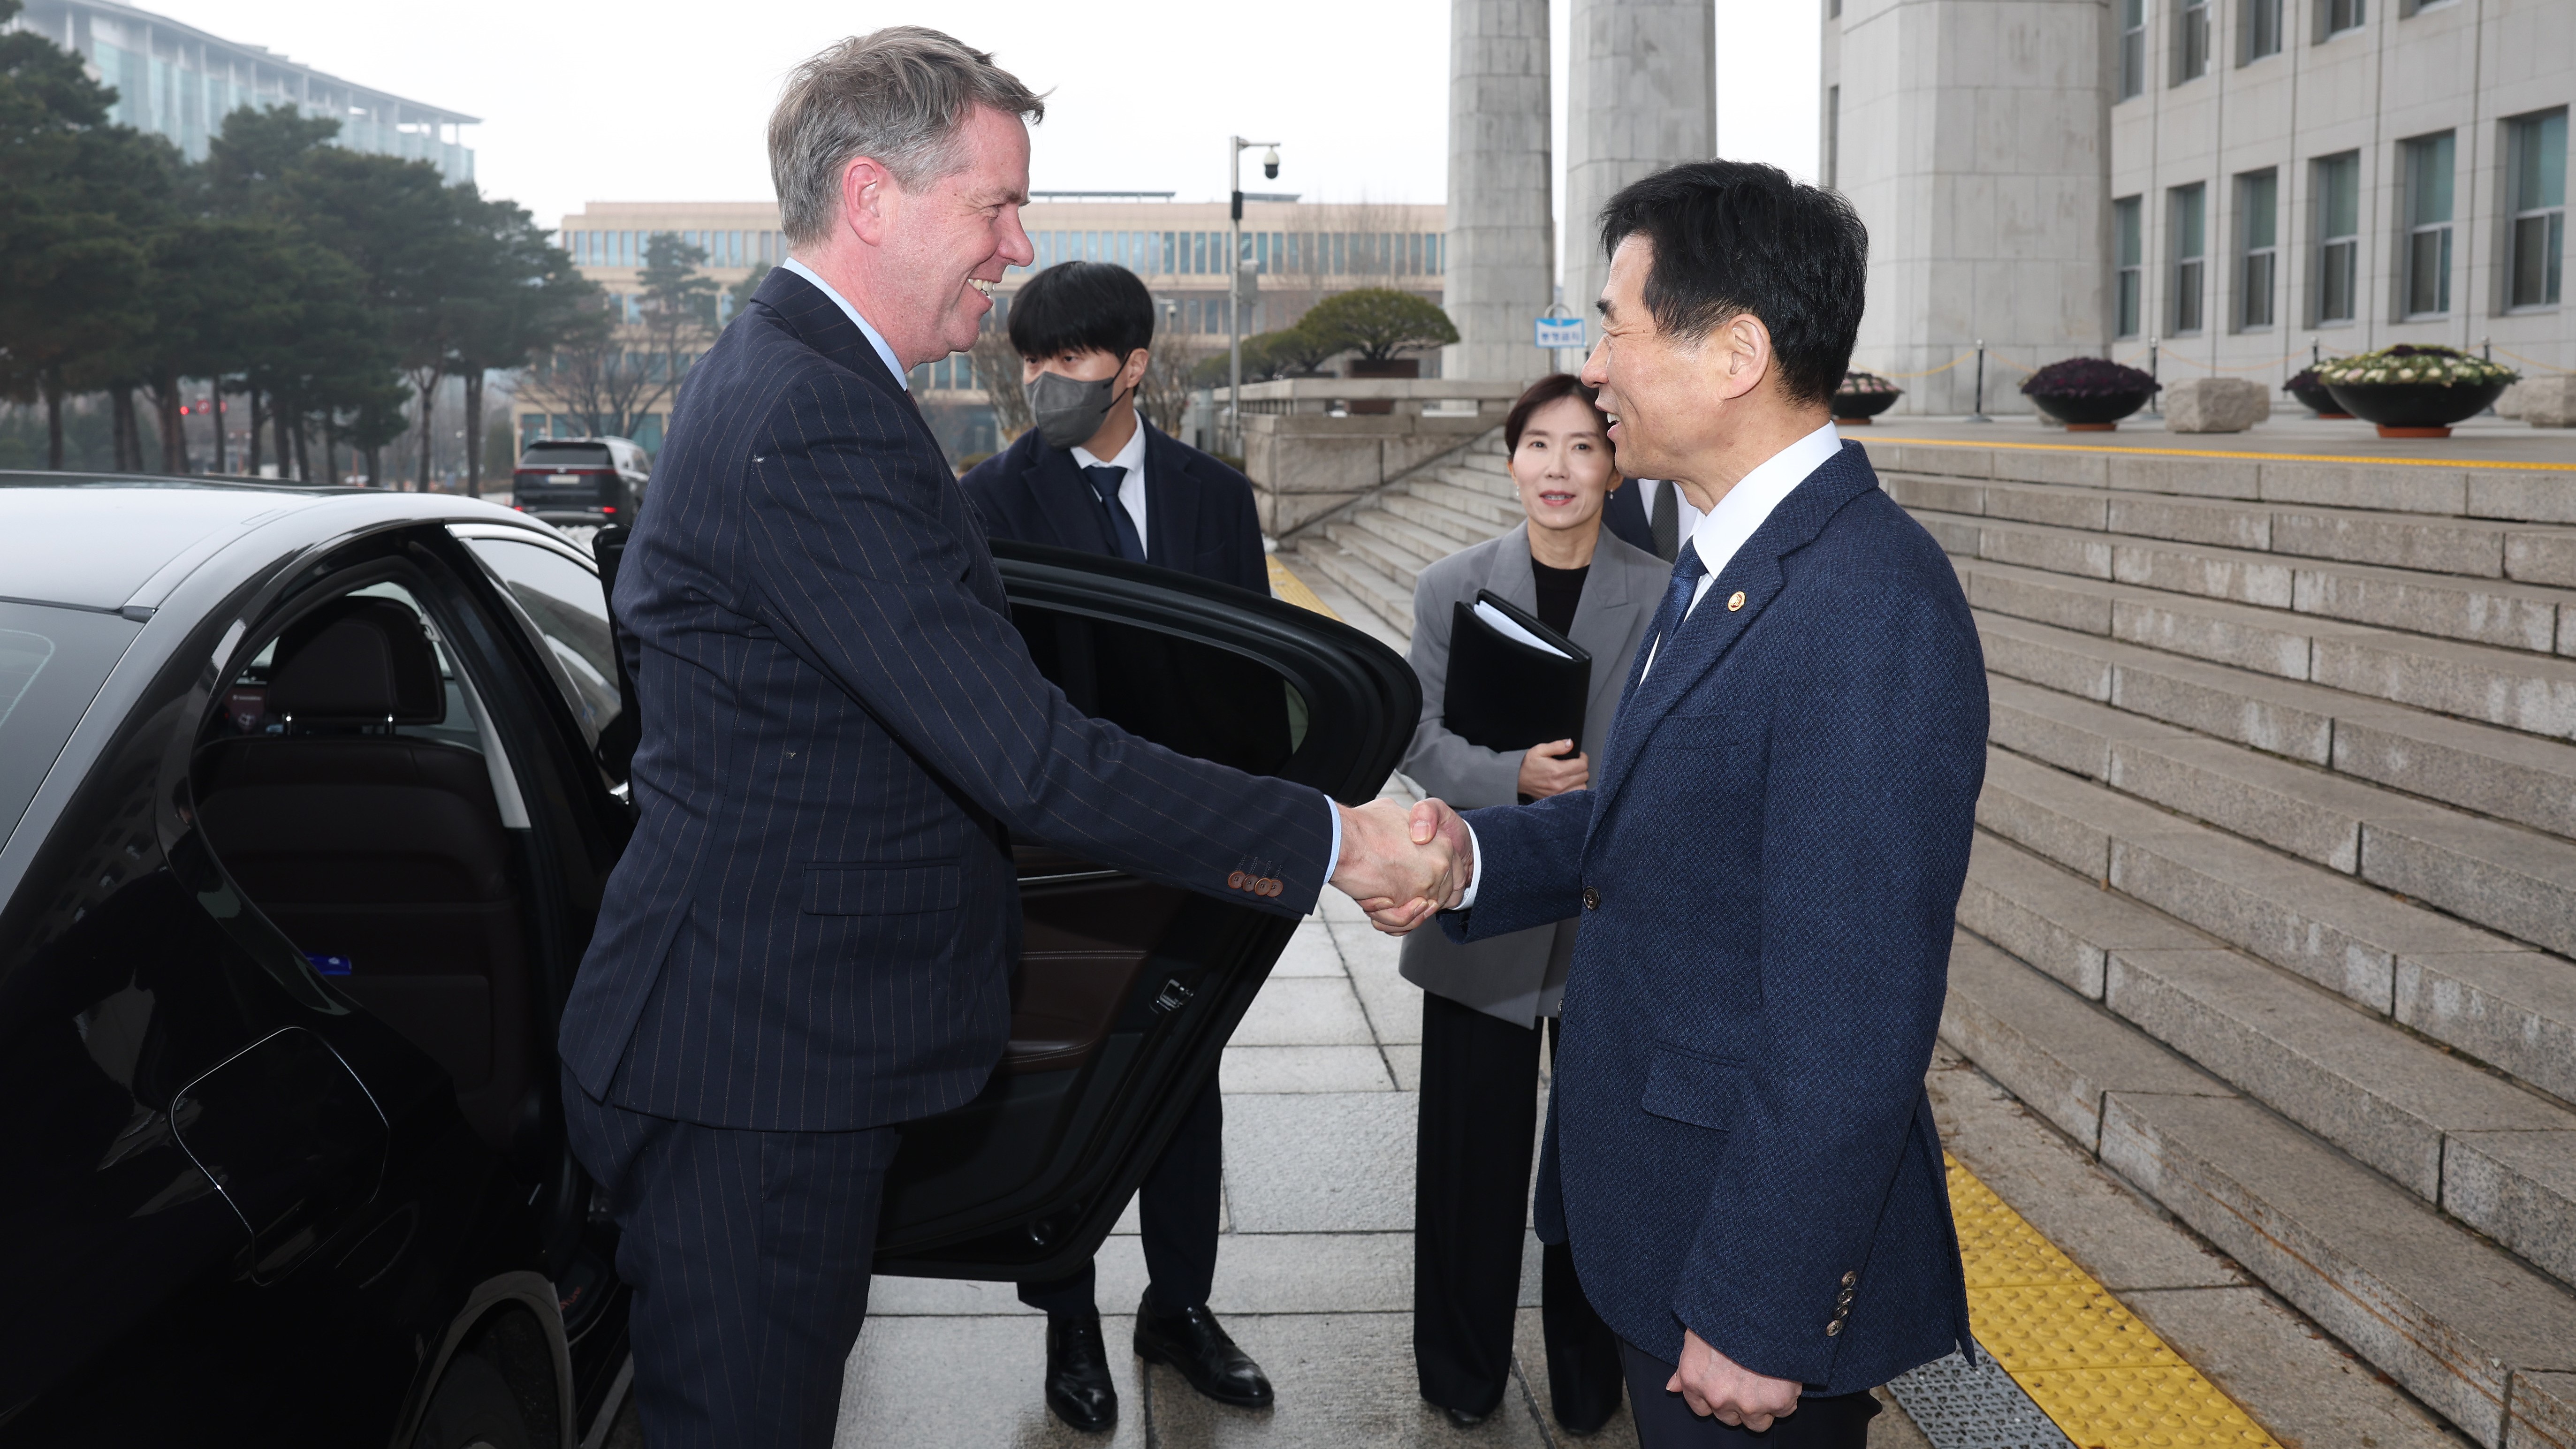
(1688, 570)
(1105, 478)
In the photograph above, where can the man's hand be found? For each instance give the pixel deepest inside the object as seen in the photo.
(1716, 1386)
(1401, 876)
(1544, 774)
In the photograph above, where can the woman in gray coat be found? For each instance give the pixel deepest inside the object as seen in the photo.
(1482, 1004)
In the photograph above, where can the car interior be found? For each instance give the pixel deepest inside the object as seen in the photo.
(352, 789)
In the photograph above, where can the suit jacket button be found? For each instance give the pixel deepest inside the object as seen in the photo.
(1591, 899)
(1833, 1328)
(1842, 1301)
(1850, 1278)
(1270, 885)
(1234, 882)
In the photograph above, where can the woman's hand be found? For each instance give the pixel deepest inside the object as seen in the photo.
(1543, 774)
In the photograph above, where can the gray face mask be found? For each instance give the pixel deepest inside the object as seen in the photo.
(1069, 410)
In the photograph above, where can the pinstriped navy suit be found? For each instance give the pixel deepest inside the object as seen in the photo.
(810, 936)
(1766, 873)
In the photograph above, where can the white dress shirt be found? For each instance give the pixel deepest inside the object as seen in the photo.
(1131, 489)
(1720, 533)
(875, 338)
(1747, 506)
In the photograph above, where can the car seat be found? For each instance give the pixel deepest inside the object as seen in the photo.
(383, 851)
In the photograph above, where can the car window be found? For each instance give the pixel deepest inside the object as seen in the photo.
(564, 599)
(52, 662)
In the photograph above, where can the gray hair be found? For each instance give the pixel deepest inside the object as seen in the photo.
(901, 96)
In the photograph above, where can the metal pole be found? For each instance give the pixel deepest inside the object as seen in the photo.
(1979, 415)
(1234, 294)
(2153, 410)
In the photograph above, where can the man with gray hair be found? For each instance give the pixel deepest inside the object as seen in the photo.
(809, 938)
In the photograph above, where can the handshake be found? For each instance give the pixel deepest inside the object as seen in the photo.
(1404, 867)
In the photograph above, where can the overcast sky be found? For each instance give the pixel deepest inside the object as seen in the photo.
(650, 100)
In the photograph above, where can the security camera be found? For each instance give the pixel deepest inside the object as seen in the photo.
(1270, 163)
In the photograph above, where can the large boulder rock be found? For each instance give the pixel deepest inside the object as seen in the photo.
(2215, 405)
(2544, 402)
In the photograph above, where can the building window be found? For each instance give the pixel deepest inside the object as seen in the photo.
(2191, 40)
(2337, 189)
(2334, 17)
(2133, 48)
(2128, 230)
(2258, 31)
(2427, 279)
(2258, 196)
(1834, 136)
(2536, 190)
(2188, 209)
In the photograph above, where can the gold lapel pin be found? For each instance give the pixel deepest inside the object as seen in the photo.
(1735, 601)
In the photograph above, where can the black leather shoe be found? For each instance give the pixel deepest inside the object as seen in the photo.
(1196, 1344)
(1461, 1418)
(1078, 1386)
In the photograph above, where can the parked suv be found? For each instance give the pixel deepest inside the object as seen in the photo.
(581, 481)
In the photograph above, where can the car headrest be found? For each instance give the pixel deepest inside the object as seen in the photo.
(356, 661)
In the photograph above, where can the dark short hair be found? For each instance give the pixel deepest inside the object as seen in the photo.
(1546, 390)
(1082, 307)
(1732, 237)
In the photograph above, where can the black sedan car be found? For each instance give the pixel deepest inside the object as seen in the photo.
(307, 796)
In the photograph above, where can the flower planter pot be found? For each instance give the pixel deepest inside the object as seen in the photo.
(1857, 408)
(2415, 409)
(2316, 399)
(2098, 413)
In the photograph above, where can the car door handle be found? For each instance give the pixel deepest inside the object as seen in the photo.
(290, 1137)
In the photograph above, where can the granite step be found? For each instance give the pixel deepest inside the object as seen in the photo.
(2485, 996)
(1424, 545)
(2458, 1322)
(1459, 529)
(2518, 690)
(2478, 767)
(1363, 582)
(2492, 1156)
(2472, 547)
(2511, 494)
(2501, 614)
(1398, 564)
(1498, 511)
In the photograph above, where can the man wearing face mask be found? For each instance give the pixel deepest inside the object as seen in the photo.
(1094, 475)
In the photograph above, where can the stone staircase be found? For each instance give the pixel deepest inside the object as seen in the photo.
(1375, 553)
(2274, 889)
(2273, 899)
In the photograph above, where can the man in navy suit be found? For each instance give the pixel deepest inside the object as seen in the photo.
(809, 938)
(1767, 868)
(1094, 475)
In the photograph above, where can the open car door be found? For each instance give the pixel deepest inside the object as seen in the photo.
(1126, 991)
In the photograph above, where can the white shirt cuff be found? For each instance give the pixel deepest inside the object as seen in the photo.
(1475, 868)
(1333, 860)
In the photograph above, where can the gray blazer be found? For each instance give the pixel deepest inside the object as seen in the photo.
(1518, 977)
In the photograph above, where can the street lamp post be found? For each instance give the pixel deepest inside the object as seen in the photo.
(1235, 147)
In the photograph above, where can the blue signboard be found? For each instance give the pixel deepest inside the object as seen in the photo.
(1559, 332)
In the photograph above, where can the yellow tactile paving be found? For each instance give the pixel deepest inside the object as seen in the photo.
(1293, 589)
(2090, 1365)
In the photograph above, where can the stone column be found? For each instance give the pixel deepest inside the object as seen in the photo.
(1502, 224)
(1975, 143)
(1640, 96)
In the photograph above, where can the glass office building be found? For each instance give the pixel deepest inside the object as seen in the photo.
(181, 82)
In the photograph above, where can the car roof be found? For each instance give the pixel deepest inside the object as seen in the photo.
(95, 541)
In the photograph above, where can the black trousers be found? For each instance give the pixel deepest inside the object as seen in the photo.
(1176, 1211)
(1665, 1420)
(749, 1255)
(1479, 1113)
